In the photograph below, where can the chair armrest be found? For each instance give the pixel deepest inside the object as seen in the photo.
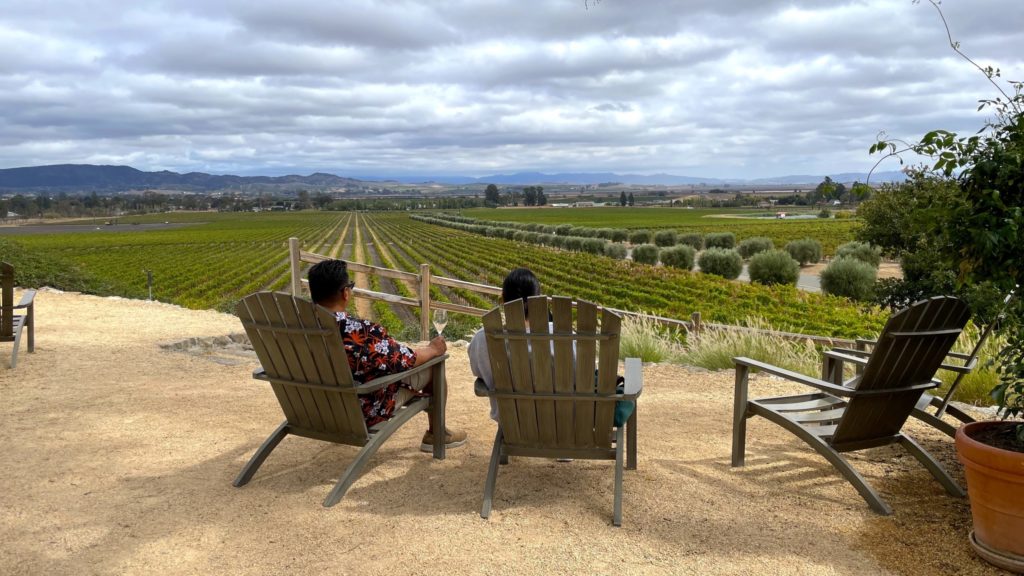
(794, 376)
(634, 378)
(965, 369)
(866, 342)
(26, 299)
(848, 356)
(378, 383)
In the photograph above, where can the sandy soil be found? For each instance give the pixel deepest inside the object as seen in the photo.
(119, 456)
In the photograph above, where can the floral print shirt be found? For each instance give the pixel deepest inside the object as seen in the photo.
(372, 353)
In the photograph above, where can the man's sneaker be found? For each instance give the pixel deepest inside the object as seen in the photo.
(452, 439)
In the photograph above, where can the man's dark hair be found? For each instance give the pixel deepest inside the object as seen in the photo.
(519, 284)
(326, 280)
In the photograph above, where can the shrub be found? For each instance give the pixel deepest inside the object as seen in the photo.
(678, 257)
(619, 235)
(615, 250)
(605, 233)
(532, 237)
(531, 226)
(594, 245)
(825, 213)
(563, 229)
(850, 277)
(519, 235)
(774, 267)
(548, 229)
(639, 237)
(574, 243)
(723, 262)
(720, 240)
(510, 234)
(547, 239)
(646, 254)
(665, 238)
(558, 241)
(861, 251)
(494, 232)
(805, 251)
(753, 245)
(583, 231)
(694, 240)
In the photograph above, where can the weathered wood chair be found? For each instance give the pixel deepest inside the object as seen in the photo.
(302, 355)
(965, 364)
(551, 402)
(11, 324)
(870, 411)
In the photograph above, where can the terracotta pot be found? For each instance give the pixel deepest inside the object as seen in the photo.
(995, 486)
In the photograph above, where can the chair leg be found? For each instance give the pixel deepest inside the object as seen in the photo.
(631, 440)
(834, 458)
(438, 402)
(739, 417)
(30, 323)
(367, 452)
(617, 510)
(934, 421)
(261, 454)
(933, 466)
(492, 475)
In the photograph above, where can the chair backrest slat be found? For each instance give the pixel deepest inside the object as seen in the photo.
(6, 301)
(297, 341)
(910, 349)
(530, 362)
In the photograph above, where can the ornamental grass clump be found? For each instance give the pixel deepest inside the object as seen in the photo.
(680, 256)
(849, 277)
(642, 337)
(714, 348)
(753, 245)
(646, 254)
(806, 251)
(722, 262)
(665, 238)
(774, 267)
(720, 240)
(861, 251)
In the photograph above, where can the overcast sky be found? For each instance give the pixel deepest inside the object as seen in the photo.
(714, 88)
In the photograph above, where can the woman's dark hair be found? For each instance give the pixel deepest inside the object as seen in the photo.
(326, 280)
(519, 284)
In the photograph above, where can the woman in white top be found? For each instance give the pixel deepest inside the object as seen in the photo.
(519, 284)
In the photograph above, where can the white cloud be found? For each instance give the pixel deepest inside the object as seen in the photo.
(722, 88)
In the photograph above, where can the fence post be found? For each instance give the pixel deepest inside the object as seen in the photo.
(296, 265)
(424, 302)
(695, 321)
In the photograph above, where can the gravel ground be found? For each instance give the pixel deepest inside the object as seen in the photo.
(120, 451)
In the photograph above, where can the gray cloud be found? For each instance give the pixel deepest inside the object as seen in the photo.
(722, 88)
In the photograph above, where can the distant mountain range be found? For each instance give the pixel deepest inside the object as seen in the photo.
(88, 177)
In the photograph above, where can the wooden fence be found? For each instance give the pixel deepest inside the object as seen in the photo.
(424, 280)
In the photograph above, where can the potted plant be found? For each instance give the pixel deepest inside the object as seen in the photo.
(978, 231)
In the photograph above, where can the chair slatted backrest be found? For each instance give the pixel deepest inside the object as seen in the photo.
(910, 349)
(556, 358)
(6, 302)
(300, 348)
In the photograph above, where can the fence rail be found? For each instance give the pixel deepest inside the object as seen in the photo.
(424, 280)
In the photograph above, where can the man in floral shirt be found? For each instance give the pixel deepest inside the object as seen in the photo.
(372, 353)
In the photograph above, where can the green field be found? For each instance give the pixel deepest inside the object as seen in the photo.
(221, 257)
(830, 232)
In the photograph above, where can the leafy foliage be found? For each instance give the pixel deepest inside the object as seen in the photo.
(849, 277)
(805, 251)
(751, 246)
(724, 262)
(696, 241)
(774, 267)
(680, 256)
(720, 240)
(861, 251)
(645, 254)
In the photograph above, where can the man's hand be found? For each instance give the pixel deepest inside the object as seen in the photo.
(435, 348)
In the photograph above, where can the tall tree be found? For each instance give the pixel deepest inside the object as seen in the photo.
(622, 198)
(630, 199)
(542, 199)
(530, 196)
(492, 197)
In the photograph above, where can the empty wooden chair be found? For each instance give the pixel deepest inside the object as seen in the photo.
(12, 324)
(300, 348)
(551, 401)
(871, 411)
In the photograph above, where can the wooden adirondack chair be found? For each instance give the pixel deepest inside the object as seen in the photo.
(551, 403)
(11, 324)
(966, 363)
(303, 358)
(873, 409)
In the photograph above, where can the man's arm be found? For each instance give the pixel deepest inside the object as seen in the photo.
(435, 348)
